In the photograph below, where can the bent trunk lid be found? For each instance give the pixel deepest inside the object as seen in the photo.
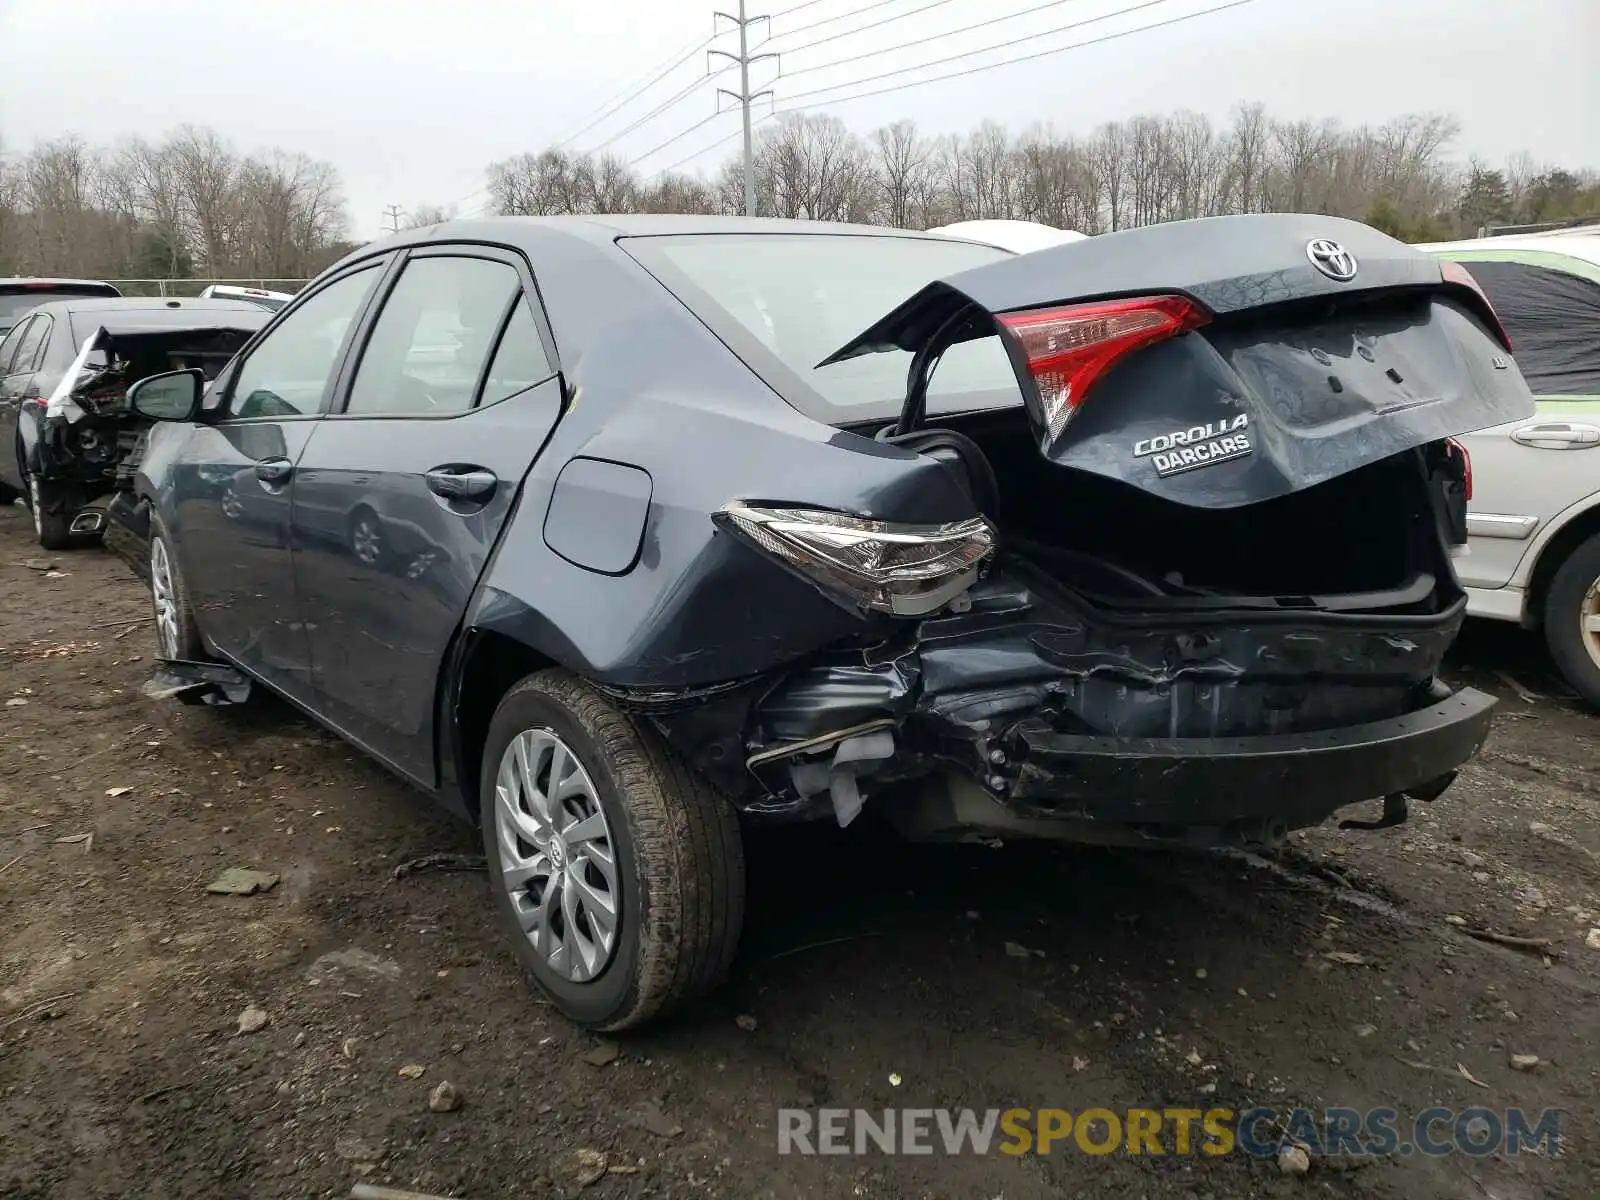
(1297, 377)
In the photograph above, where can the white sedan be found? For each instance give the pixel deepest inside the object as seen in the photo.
(1534, 516)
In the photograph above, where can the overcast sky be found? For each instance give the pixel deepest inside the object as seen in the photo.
(410, 99)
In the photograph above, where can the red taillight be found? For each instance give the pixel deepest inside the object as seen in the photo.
(1457, 447)
(1068, 349)
(1456, 274)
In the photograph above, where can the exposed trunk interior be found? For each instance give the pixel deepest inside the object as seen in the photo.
(1368, 536)
(107, 440)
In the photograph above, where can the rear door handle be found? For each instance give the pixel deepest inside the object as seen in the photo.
(463, 483)
(274, 470)
(1560, 435)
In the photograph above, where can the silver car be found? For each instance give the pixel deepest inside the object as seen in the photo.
(1534, 518)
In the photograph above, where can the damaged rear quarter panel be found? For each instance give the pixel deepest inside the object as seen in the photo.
(698, 606)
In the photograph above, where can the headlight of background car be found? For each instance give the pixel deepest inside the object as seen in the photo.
(905, 570)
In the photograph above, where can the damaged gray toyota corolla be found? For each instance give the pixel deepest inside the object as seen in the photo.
(614, 531)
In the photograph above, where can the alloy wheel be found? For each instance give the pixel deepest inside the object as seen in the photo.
(165, 597)
(365, 540)
(36, 504)
(557, 856)
(1589, 621)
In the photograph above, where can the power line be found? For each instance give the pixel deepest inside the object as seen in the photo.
(638, 91)
(1026, 12)
(844, 33)
(655, 112)
(783, 12)
(899, 87)
(855, 12)
(723, 141)
(678, 137)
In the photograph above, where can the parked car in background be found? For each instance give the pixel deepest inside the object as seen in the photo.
(1534, 518)
(708, 519)
(66, 432)
(267, 299)
(19, 295)
(1019, 237)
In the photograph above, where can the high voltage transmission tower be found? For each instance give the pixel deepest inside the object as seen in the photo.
(392, 215)
(744, 96)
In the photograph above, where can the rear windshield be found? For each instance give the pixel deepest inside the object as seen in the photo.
(1553, 320)
(784, 302)
(15, 301)
(85, 322)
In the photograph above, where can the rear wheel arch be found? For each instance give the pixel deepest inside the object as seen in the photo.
(490, 664)
(1550, 557)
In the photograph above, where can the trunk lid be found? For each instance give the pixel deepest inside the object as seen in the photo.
(1316, 346)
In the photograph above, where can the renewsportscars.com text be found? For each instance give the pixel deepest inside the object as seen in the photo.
(1260, 1132)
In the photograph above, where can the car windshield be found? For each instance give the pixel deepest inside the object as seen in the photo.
(14, 303)
(800, 297)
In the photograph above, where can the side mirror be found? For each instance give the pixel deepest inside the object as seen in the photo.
(170, 396)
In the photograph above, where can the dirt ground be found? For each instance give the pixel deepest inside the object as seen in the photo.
(876, 974)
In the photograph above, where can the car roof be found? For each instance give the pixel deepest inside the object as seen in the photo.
(8, 281)
(1578, 243)
(137, 304)
(605, 227)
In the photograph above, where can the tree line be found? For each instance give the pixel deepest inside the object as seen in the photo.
(187, 205)
(191, 205)
(1398, 176)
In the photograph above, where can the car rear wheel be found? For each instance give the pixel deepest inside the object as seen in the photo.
(177, 635)
(617, 871)
(52, 522)
(1572, 619)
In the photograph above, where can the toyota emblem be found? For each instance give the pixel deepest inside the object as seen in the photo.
(1332, 259)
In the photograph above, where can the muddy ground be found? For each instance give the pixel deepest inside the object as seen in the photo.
(876, 974)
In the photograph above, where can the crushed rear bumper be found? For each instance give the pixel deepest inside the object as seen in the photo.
(1210, 781)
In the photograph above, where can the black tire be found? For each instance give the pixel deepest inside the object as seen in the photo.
(677, 849)
(183, 641)
(1564, 604)
(8, 494)
(52, 519)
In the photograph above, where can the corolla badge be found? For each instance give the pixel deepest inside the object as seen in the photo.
(1202, 446)
(1332, 259)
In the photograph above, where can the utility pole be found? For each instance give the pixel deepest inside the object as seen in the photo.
(744, 96)
(392, 214)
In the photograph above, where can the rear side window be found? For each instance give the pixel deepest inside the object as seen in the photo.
(288, 373)
(519, 361)
(31, 349)
(8, 348)
(1553, 319)
(431, 341)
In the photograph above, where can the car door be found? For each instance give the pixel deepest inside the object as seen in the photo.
(402, 491)
(10, 467)
(232, 485)
(1527, 472)
(17, 387)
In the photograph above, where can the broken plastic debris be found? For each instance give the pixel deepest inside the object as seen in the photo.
(1346, 957)
(894, 1079)
(412, 1071)
(118, 791)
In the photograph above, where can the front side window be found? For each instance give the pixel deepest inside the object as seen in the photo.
(802, 296)
(288, 374)
(431, 341)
